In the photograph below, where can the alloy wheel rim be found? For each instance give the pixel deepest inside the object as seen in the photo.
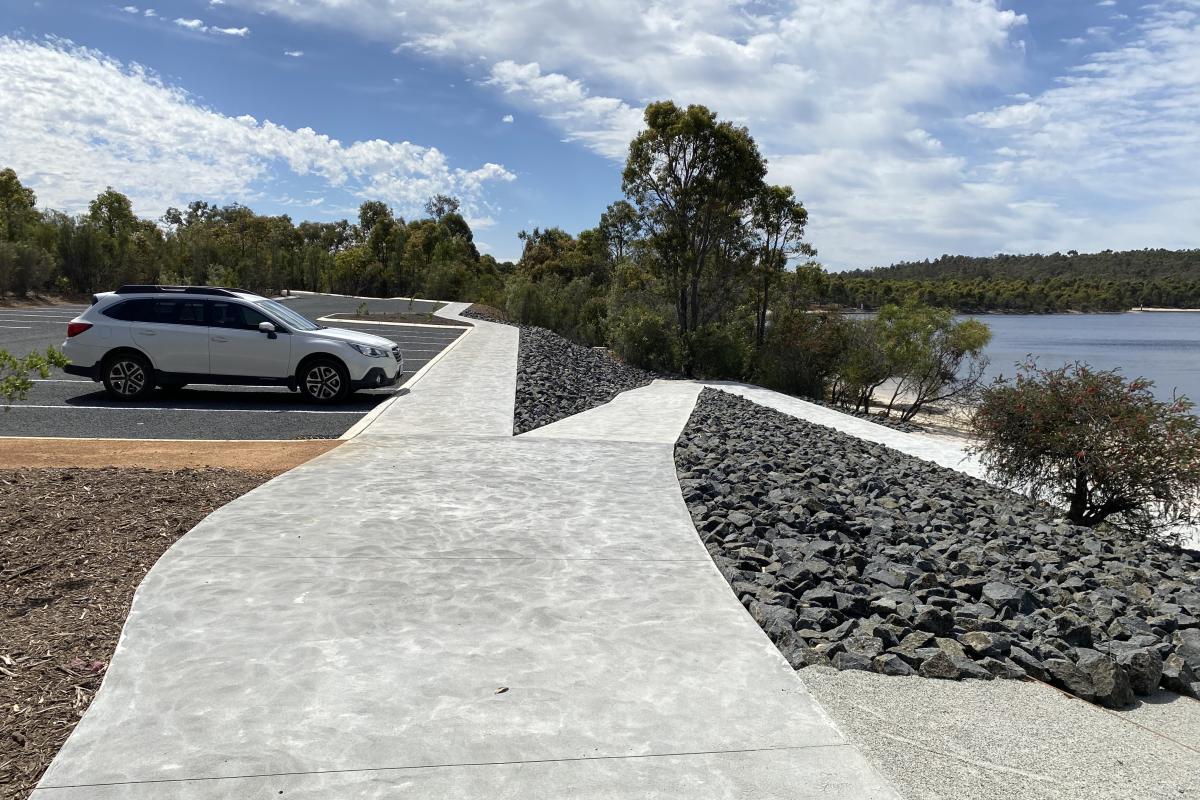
(323, 382)
(127, 378)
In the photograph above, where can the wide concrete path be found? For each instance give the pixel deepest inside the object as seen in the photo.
(438, 609)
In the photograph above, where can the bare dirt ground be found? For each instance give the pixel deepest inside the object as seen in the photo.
(489, 313)
(74, 545)
(161, 454)
(41, 301)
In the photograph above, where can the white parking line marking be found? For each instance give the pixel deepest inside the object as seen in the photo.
(398, 324)
(212, 410)
(16, 327)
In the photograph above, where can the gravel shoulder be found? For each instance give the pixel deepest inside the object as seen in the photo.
(74, 546)
(1012, 739)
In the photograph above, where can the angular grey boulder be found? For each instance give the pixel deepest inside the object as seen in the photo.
(1110, 682)
(1144, 667)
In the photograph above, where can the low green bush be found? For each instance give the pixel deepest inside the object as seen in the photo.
(646, 338)
(720, 351)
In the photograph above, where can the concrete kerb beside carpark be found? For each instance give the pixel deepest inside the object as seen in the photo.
(439, 609)
(364, 423)
(301, 293)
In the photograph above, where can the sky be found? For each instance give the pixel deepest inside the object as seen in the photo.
(908, 128)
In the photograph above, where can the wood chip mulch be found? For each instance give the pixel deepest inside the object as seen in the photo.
(74, 545)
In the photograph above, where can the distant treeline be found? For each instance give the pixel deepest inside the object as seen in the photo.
(380, 254)
(1105, 281)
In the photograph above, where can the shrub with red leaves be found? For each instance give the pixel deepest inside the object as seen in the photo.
(1095, 441)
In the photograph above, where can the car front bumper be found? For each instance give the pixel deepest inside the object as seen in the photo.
(376, 378)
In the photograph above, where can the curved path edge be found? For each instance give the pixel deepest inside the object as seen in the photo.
(439, 609)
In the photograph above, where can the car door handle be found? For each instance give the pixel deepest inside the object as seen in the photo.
(219, 339)
(146, 333)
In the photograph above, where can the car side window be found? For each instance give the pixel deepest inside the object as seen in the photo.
(164, 311)
(188, 312)
(130, 311)
(235, 315)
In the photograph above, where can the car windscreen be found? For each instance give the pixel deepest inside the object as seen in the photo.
(291, 318)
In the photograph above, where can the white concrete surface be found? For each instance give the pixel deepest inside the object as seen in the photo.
(931, 448)
(938, 740)
(471, 392)
(654, 413)
(438, 609)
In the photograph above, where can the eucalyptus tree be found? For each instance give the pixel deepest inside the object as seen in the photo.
(692, 179)
(18, 213)
(620, 227)
(777, 220)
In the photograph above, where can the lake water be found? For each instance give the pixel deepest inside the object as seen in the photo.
(1161, 346)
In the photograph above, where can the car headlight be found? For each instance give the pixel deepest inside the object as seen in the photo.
(369, 351)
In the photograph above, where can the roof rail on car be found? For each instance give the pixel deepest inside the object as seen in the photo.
(139, 288)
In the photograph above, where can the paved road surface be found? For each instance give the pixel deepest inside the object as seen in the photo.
(67, 405)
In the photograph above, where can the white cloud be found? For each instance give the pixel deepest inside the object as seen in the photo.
(507, 118)
(604, 124)
(1009, 116)
(199, 26)
(150, 12)
(1114, 148)
(833, 92)
(851, 100)
(131, 10)
(294, 53)
(76, 120)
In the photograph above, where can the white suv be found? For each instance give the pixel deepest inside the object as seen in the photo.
(139, 337)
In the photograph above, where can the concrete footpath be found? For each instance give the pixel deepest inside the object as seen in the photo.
(439, 609)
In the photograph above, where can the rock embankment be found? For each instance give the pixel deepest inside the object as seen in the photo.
(852, 554)
(557, 378)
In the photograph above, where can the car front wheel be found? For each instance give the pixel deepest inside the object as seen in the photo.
(127, 376)
(324, 380)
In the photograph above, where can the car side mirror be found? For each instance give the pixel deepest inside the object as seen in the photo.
(268, 329)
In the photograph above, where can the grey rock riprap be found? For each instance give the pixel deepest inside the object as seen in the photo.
(557, 378)
(852, 554)
(878, 419)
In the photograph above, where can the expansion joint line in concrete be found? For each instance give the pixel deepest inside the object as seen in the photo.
(456, 765)
(424, 558)
(1126, 719)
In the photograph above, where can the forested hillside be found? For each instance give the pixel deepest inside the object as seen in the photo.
(1105, 281)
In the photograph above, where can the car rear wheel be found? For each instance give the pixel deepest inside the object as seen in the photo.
(128, 376)
(324, 380)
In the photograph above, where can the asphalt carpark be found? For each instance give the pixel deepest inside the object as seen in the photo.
(71, 406)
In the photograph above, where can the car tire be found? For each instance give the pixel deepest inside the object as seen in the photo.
(324, 380)
(127, 376)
